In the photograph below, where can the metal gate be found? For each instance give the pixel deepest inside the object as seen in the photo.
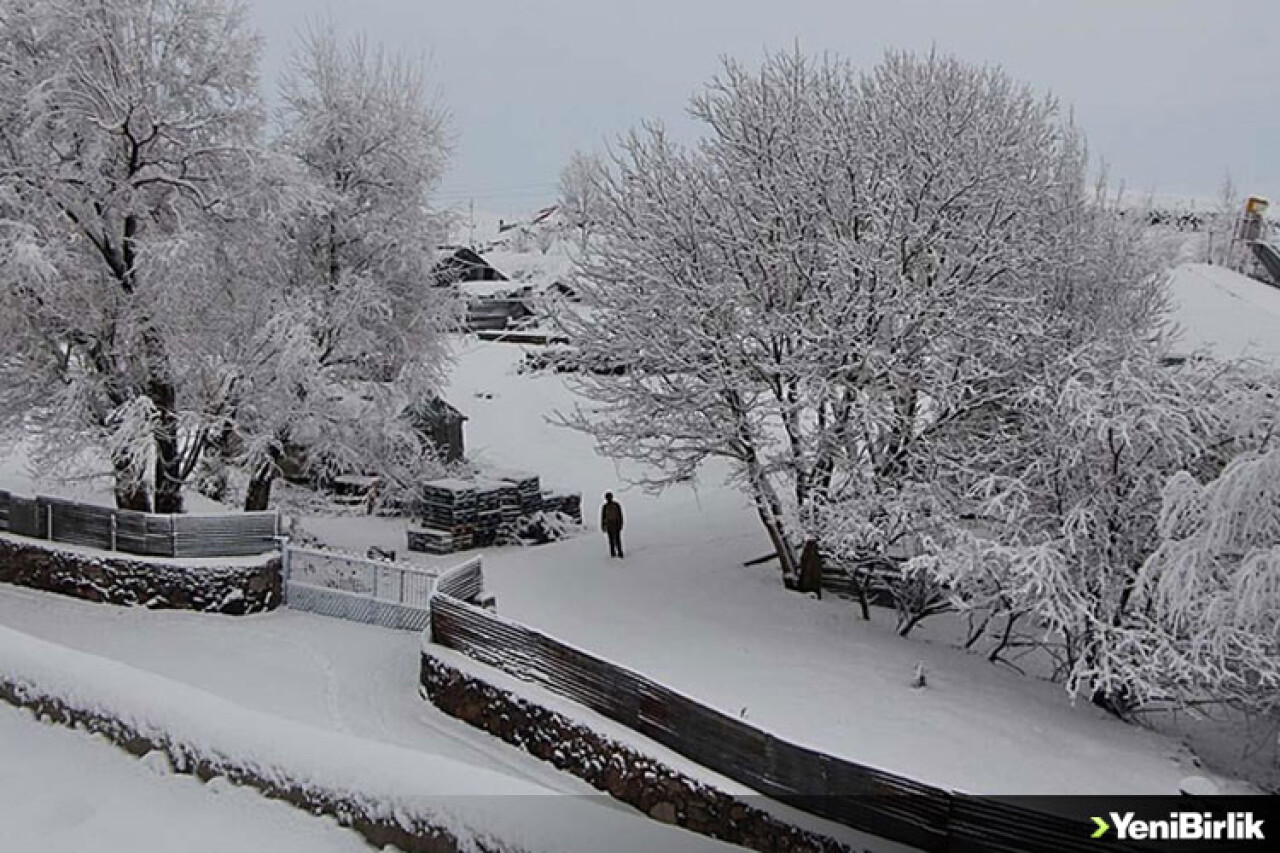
(376, 592)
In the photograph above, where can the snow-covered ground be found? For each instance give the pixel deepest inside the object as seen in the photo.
(360, 776)
(1225, 313)
(680, 608)
(65, 790)
(683, 609)
(350, 678)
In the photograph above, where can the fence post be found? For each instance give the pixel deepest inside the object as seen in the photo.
(400, 594)
(113, 530)
(285, 558)
(48, 519)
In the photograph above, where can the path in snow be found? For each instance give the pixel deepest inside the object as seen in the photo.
(352, 678)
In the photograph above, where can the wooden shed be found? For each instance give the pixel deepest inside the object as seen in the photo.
(442, 424)
(458, 264)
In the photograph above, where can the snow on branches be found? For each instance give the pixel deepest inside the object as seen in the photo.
(159, 255)
(128, 126)
(845, 273)
(1096, 536)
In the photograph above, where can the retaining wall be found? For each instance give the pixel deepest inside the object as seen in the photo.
(213, 585)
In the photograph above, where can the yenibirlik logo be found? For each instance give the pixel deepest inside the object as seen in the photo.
(1183, 826)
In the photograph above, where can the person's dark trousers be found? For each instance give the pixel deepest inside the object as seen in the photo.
(615, 541)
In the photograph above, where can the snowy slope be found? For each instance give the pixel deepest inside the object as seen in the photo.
(64, 790)
(371, 778)
(337, 675)
(681, 608)
(1224, 313)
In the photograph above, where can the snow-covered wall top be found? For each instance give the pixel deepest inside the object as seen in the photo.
(404, 786)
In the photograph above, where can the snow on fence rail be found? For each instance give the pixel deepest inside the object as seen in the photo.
(148, 534)
(865, 798)
(376, 592)
(464, 581)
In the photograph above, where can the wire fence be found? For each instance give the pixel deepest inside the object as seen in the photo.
(146, 534)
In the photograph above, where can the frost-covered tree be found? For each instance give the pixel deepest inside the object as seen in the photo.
(1070, 550)
(357, 333)
(845, 273)
(1220, 239)
(1213, 587)
(580, 194)
(127, 128)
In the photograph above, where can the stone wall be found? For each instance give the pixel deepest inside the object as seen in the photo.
(397, 831)
(656, 789)
(234, 585)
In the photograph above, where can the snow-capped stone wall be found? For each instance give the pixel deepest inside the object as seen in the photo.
(232, 585)
(644, 782)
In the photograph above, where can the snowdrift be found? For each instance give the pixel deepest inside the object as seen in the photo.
(391, 795)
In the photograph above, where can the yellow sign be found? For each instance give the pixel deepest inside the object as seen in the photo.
(1255, 206)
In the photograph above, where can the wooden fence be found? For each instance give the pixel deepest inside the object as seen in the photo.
(231, 535)
(870, 800)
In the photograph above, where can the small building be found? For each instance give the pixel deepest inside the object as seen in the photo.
(458, 264)
(496, 313)
(442, 424)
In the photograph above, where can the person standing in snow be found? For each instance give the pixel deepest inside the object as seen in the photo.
(611, 524)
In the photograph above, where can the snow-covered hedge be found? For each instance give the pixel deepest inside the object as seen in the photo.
(391, 795)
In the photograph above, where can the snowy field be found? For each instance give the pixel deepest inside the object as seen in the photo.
(66, 790)
(681, 608)
(1225, 313)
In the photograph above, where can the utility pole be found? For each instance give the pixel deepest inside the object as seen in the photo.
(472, 216)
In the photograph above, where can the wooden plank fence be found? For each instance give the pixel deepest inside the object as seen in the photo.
(147, 534)
(865, 798)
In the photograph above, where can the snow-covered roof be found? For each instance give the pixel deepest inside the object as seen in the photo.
(1225, 313)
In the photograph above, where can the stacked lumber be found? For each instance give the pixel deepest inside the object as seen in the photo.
(528, 488)
(489, 515)
(567, 503)
(430, 540)
(449, 504)
(460, 514)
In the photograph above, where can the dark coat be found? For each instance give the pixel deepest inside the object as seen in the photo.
(611, 516)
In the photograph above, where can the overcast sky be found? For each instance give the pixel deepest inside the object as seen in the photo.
(1172, 93)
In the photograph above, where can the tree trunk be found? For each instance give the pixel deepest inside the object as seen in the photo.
(160, 388)
(258, 496)
(811, 568)
(780, 545)
(168, 488)
(131, 493)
